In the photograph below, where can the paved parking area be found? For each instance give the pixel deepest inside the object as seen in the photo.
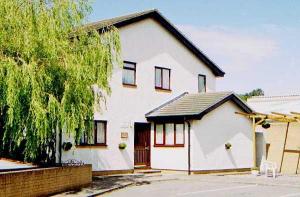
(7, 165)
(212, 185)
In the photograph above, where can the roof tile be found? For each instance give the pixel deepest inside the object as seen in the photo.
(190, 104)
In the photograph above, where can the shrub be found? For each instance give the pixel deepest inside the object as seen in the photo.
(122, 146)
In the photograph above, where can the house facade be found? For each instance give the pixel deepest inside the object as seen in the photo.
(160, 66)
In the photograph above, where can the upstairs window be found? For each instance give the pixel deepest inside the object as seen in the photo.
(98, 136)
(129, 73)
(162, 78)
(201, 83)
(169, 135)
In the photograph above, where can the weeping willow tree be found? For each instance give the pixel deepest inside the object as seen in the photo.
(49, 64)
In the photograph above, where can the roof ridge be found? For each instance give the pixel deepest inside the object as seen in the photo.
(216, 92)
(128, 15)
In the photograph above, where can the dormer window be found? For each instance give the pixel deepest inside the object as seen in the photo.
(162, 78)
(201, 83)
(129, 73)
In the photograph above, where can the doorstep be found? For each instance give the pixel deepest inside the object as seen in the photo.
(142, 167)
(146, 171)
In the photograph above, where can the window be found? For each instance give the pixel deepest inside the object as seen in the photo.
(98, 136)
(162, 78)
(129, 73)
(201, 83)
(100, 132)
(169, 134)
(179, 128)
(159, 134)
(169, 130)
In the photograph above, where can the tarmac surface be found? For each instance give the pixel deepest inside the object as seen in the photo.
(212, 185)
(144, 185)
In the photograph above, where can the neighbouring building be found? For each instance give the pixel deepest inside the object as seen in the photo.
(280, 143)
(164, 107)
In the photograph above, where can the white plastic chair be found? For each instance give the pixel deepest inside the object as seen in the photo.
(270, 167)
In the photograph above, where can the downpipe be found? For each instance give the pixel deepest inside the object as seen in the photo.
(189, 146)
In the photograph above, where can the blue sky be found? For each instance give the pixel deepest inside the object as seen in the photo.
(256, 42)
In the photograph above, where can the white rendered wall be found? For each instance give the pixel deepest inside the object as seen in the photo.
(169, 158)
(210, 135)
(148, 44)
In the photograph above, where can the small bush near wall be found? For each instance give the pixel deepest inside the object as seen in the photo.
(44, 181)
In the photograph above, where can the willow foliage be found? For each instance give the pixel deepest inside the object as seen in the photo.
(46, 76)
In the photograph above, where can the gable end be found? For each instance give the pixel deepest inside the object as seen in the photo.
(154, 14)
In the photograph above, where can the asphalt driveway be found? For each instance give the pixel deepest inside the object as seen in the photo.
(213, 185)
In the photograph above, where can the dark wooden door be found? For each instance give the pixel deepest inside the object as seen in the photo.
(142, 144)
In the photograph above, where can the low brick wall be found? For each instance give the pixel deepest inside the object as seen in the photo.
(44, 181)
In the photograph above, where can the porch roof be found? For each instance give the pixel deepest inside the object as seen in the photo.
(194, 106)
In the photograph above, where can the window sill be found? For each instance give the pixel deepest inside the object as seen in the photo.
(129, 85)
(162, 90)
(170, 146)
(91, 146)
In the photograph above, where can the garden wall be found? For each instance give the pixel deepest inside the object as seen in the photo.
(44, 181)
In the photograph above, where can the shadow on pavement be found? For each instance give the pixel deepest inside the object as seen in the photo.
(106, 183)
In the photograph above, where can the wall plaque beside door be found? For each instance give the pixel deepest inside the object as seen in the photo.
(124, 134)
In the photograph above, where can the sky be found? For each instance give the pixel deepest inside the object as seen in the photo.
(257, 42)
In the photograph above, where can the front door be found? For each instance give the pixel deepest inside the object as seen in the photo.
(142, 144)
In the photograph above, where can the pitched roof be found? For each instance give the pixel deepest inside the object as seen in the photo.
(155, 14)
(281, 104)
(194, 106)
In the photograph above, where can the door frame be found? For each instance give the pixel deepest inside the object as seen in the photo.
(147, 165)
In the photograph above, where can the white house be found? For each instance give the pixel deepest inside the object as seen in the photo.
(149, 109)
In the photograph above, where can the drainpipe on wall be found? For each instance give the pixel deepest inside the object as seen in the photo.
(189, 147)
